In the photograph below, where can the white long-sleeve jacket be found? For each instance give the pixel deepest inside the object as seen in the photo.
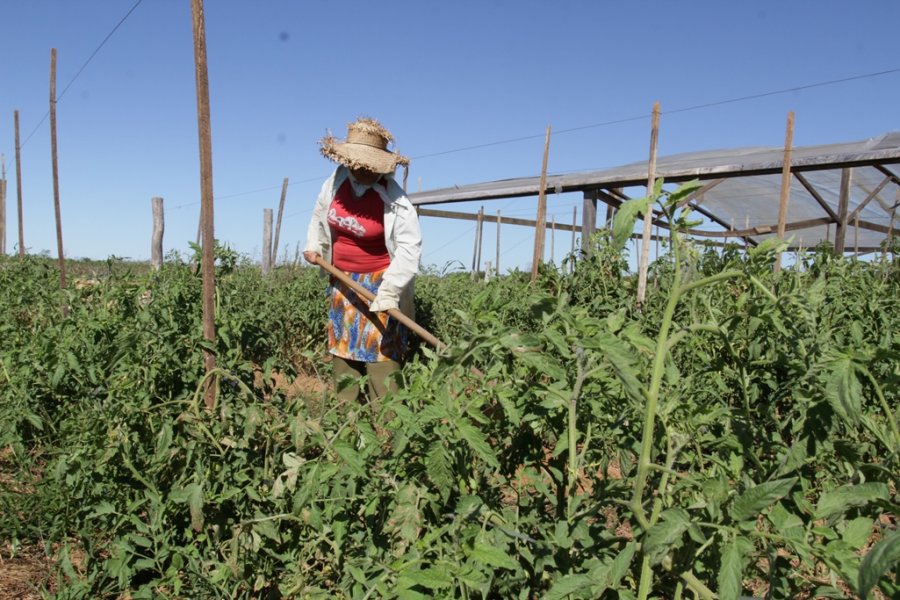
(402, 235)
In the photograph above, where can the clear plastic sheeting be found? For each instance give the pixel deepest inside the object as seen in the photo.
(743, 190)
(744, 203)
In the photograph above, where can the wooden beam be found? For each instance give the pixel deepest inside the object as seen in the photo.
(815, 194)
(855, 214)
(615, 199)
(888, 173)
(446, 214)
(759, 229)
(843, 202)
(699, 193)
(868, 225)
(609, 199)
(710, 216)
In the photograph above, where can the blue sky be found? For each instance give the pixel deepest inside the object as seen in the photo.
(468, 89)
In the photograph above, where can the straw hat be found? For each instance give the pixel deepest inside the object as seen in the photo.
(365, 147)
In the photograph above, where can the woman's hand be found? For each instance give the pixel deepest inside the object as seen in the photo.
(387, 298)
(311, 257)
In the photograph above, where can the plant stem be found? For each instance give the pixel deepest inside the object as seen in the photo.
(659, 358)
(646, 579)
(674, 473)
(643, 470)
(697, 586)
(884, 406)
(763, 289)
(573, 431)
(662, 349)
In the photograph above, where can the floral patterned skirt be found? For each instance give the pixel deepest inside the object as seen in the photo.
(354, 332)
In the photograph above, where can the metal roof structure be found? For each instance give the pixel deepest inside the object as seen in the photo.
(845, 193)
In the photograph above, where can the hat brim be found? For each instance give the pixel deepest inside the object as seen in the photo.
(360, 156)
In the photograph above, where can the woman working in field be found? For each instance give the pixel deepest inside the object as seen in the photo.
(364, 225)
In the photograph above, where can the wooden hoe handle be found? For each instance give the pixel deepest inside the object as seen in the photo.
(363, 292)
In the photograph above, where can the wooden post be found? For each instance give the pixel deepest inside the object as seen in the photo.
(840, 232)
(656, 243)
(553, 239)
(476, 251)
(159, 227)
(497, 259)
(572, 249)
(267, 241)
(480, 238)
(53, 155)
(785, 183)
(539, 228)
(648, 216)
(2, 205)
(889, 240)
(637, 249)
(610, 213)
(284, 186)
(204, 130)
(588, 220)
(19, 185)
(746, 227)
(856, 235)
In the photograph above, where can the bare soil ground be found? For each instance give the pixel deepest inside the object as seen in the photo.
(22, 574)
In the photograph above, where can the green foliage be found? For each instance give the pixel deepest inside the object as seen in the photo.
(740, 427)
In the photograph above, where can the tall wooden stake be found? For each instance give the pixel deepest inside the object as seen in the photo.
(19, 185)
(572, 249)
(588, 221)
(540, 227)
(648, 216)
(284, 186)
(156, 240)
(480, 237)
(206, 198)
(59, 236)
(476, 255)
(553, 239)
(889, 240)
(785, 183)
(267, 241)
(2, 205)
(497, 261)
(840, 229)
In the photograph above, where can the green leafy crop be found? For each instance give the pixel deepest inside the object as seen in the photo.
(735, 436)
